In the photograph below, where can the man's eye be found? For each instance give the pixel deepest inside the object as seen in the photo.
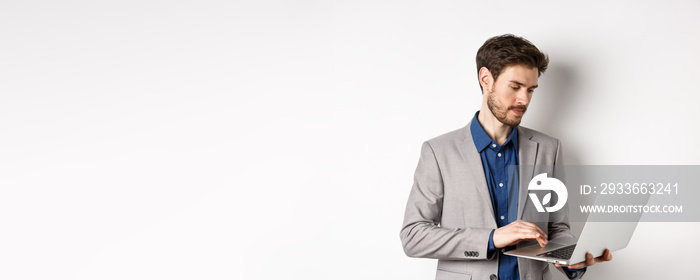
(515, 88)
(530, 90)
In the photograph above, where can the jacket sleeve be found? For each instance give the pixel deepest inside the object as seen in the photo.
(421, 234)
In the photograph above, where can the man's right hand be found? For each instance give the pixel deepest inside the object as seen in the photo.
(518, 231)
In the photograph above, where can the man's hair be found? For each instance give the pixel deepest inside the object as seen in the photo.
(499, 52)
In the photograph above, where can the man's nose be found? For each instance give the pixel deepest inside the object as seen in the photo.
(523, 97)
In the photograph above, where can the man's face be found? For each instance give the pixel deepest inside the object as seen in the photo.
(510, 95)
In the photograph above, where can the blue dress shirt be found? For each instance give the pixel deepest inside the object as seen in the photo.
(500, 168)
(503, 188)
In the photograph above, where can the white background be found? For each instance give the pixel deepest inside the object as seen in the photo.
(278, 139)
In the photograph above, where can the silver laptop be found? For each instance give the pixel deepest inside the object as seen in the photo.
(594, 239)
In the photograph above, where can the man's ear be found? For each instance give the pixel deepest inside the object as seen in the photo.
(486, 79)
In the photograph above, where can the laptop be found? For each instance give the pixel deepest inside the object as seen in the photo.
(595, 237)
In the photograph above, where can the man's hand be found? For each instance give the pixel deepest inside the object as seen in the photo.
(518, 231)
(606, 257)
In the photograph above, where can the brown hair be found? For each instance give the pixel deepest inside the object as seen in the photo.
(506, 50)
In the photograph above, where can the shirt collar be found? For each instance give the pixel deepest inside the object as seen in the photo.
(482, 140)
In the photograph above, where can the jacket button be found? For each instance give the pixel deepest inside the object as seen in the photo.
(476, 254)
(493, 277)
(466, 254)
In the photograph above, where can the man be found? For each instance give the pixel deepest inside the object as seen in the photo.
(464, 209)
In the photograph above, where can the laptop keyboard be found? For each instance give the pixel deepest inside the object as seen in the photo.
(561, 253)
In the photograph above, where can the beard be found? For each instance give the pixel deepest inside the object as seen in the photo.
(501, 112)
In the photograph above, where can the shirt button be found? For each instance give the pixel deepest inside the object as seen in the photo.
(500, 184)
(493, 145)
(499, 154)
(502, 217)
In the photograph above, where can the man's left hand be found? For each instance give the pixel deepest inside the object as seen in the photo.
(590, 260)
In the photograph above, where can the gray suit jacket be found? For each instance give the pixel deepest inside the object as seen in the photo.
(449, 215)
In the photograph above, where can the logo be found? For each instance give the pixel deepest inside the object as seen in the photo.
(542, 183)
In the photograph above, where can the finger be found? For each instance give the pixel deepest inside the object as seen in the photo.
(528, 235)
(531, 226)
(541, 238)
(606, 257)
(589, 259)
(522, 236)
(542, 242)
(541, 231)
(578, 265)
(533, 232)
(523, 224)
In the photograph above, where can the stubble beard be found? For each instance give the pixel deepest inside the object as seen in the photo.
(501, 113)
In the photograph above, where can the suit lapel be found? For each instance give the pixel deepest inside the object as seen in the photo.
(527, 153)
(474, 167)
